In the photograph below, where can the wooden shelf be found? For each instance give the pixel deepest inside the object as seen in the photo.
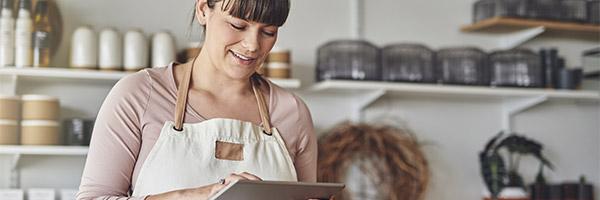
(434, 90)
(112, 76)
(505, 24)
(43, 150)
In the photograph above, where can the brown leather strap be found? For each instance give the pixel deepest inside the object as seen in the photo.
(263, 109)
(182, 93)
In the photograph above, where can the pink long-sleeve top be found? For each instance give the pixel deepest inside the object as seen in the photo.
(135, 110)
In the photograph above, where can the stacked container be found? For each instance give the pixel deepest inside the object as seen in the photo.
(10, 111)
(279, 63)
(40, 124)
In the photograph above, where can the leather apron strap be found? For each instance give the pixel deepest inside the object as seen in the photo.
(182, 94)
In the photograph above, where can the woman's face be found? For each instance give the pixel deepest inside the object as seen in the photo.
(236, 46)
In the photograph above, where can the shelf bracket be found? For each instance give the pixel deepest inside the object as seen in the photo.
(15, 174)
(363, 102)
(516, 39)
(8, 84)
(513, 107)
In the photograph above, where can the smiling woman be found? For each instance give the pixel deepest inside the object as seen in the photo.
(174, 132)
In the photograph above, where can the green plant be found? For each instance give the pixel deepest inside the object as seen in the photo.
(496, 174)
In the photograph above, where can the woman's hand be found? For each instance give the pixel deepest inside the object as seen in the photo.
(204, 192)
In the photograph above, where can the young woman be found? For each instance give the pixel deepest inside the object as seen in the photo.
(187, 130)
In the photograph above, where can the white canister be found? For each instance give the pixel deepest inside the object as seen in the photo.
(111, 50)
(84, 48)
(135, 51)
(40, 132)
(9, 134)
(163, 49)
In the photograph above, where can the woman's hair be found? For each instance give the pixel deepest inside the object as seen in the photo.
(272, 12)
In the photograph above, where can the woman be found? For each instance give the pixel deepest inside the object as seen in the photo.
(237, 125)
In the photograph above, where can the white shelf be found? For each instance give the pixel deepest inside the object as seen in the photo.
(414, 89)
(44, 150)
(113, 76)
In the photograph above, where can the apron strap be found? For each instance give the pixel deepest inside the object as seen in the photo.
(182, 93)
(263, 109)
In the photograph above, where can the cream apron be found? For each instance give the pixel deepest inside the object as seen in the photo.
(202, 153)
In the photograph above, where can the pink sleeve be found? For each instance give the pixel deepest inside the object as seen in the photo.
(116, 141)
(306, 156)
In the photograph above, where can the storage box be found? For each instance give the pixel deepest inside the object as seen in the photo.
(10, 107)
(11, 194)
(40, 107)
(40, 132)
(40, 194)
(9, 134)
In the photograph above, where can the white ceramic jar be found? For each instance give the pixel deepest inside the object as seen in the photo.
(163, 49)
(84, 48)
(111, 50)
(135, 51)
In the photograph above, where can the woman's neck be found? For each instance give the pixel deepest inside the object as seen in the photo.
(209, 78)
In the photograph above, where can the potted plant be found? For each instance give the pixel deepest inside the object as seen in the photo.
(496, 174)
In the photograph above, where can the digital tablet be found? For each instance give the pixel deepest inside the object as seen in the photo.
(261, 190)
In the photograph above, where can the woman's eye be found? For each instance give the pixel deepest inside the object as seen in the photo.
(237, 27)
(268, 33)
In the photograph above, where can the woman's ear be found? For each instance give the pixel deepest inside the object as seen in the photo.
(202, 11)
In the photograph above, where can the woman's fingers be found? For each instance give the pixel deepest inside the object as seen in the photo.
(241, 176)
(250, 176)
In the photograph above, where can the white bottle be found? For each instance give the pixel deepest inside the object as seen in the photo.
(135, 51)
(163, 49)
(7, 34)
(84, 48)
(23, 34)
(111, 50)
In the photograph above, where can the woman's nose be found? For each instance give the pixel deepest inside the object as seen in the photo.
(250, 42)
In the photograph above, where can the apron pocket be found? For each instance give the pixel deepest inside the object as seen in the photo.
(229, 151)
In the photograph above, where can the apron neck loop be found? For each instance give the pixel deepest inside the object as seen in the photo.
(182, 93)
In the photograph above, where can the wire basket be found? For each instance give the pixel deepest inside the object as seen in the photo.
(545, 9)
(519, 67)
(574, 10)
(348, 59)
(484, 9)
(462, 65)
(408, 62)
(593, 12)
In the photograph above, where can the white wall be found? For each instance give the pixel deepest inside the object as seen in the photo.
(455, 130)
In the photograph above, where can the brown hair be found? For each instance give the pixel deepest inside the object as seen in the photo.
(272, 12)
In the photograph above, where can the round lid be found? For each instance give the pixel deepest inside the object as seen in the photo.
(4, 122)
(6, 97)
(39, 123)
(37, 97)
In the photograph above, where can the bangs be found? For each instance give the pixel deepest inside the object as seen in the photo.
(272, 12)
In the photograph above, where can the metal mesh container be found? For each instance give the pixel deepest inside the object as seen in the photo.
(518, 67)
(484, 9)
(593, 12)
(408, 62)
(574, 10)
(348, 59)
(462, 65)
(545, 9)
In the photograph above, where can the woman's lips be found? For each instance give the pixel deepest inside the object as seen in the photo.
(241, 59)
